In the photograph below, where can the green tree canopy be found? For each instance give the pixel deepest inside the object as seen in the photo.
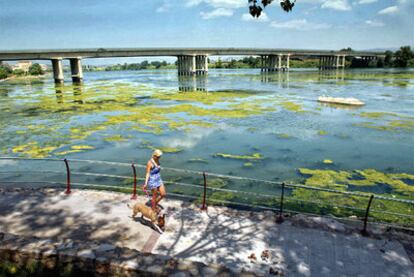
(255, 8)
(388, 58)
(5, 71)
(35, 69)
(402, 56)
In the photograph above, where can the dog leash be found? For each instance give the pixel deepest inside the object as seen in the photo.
(146, 192)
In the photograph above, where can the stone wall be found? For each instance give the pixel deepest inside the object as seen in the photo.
(74, 257)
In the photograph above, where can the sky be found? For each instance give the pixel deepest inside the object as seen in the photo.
(313, 24)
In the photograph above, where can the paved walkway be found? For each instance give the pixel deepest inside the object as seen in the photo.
(222, 235)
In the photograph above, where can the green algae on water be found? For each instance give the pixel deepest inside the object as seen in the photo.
(82, 147)
(197, 160)
(291, 106)
(115, 138)
(283, 136)
(254, 156)
(362, 178)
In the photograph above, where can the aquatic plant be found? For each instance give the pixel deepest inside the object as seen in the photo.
(327, 161)
(197, 160)
(82, 147)
(32, 149)
(291, 106)
(367, 177)
(254, 156)
(375, 115)
(283, 136)
(115, 138)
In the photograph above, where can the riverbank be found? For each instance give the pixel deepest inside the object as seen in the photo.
(239, 241)
(24, 77)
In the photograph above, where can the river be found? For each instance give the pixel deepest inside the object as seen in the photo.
(237, 122)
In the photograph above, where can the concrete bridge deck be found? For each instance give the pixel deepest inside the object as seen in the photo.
(190, 61)
(222, 236)
(47, 54)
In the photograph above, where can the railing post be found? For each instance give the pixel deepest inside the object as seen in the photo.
(279, 219)
(67, 177)
(204, 207)
(134, 192)
(364, 231)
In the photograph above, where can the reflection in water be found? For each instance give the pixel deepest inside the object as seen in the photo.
(77, 90)
(337, 75)
(281, 78)
(78, 93)
(59, 93)
(339, 106)
(192, 83)
(4, 91)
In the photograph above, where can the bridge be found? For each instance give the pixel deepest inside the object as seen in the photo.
(190, 61)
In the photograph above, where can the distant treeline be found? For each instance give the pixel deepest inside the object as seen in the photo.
(246, 62)
(132, 66)
(7, 71)
(404, 57)
(400, 58)
(255, 62)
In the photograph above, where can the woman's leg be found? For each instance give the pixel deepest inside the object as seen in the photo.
(161, 190)
(154, 199)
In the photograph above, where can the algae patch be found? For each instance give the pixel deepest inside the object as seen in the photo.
(254, 156)
(359, 178)
(292, 106)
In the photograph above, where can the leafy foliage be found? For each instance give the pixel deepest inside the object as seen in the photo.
(255, 9)
(5, 71)
(402, 56)
(35, 69)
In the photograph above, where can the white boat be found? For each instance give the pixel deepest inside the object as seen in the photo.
(341, 100)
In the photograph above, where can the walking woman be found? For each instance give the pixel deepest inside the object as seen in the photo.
(153, 179)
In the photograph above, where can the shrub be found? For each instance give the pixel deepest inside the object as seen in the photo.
(35, 69)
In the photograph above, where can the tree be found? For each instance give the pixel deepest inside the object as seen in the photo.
(402, 56)
(5, 71)
(18, 72)
(256, 9)
(219, 64)
(35, 69)
(388, 58)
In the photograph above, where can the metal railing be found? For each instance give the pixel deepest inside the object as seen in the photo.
(211, 188)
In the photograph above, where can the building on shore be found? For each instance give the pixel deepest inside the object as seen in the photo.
(22, 65)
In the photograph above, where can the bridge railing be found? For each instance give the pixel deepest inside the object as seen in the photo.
(214, 189)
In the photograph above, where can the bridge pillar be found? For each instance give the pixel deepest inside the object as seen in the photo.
(201, 64)
(270, 63)
(57, 70)
(76, 70)
(287, 62)
(186, 65)
(279, 62)
(331, 62)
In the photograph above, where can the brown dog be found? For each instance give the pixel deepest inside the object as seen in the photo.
(157, 221)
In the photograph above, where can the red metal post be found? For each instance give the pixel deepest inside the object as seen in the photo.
(364, 231)
(279, 219)
(67, 177)
(134, 193)
(204, 207)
